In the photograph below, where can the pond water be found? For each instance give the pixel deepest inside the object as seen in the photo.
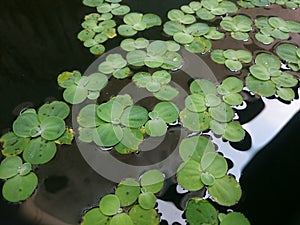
(40, 42)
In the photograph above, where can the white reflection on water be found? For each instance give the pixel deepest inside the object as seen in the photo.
(262, 129)
(170, 212)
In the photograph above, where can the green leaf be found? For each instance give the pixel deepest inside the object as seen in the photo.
(233, 99)
(19, 188)
(207, 178)
(172, 27)
(189, 176)
(122, 73)
(85, 35)
(109, 205)
(92, 3)
(166, 93)
(87, 116)
(183, 38)
(194, 121)
(217, 127)
(133, 18)
(172, 61)
(121, 10)
(66, 138)
(86, 134)
(96, 81)
(195, 103)
(222, 113)
(226, 191)
(110, 111)
(268, 60)
(175, 15)
(143, 216)
(156, 127)
(121, 218)
(66, 79)
(293, 26)
(141, 79)
(285, 80)
(230, 85)
(95, 217)
(214, 163)
(39, 151)
(218, 56)
(136, 57)
(126, 30)
(194, 148)
(235, 218)
(212, 100)
(162, 76)
(202, 86)
(134, 116)
(151, 20)
(26, 125)
(52, 128)
(288, 52)
(132, 138)
(152, 181)
(128, 191)
(263, 88)
(147, 200)
(107, 135)
(199, 211)
(199, 45)
(56, 108)
(24, 169)
(128, 44)
(205, 14)
(287, 94)
(214, 34)
(12, 144)
(9, 166)
(75, 94)
(233, 65)
(198, 29)
(167, 111)
(263, 38)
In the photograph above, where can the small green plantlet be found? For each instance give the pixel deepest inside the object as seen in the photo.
(267, 79)
(290, 54)
(133, 202)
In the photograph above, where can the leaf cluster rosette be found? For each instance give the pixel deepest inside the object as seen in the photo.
(116, 123)
(289, 53)
(116, 65)
(271, 28)
(163, 114)
(157, 54)
(34, 135)
(135, 22)
(185, 30)
(132, 203)
(20, 181)
(203, 167)
(267, 79)
(200, 211)
(209, 107)
(98, 27)
(293, 4)
(239, 26)
(232, 59)
(78, 88)
(156, 83)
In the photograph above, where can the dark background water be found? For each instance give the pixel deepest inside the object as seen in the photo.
(38, 41)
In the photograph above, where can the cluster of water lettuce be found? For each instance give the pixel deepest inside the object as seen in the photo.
(133, 202)
(293, 4)
(35, 135)
(120, 124)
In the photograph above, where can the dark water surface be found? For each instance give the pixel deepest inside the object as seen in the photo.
(38, 41)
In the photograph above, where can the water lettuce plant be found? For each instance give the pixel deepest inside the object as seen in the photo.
(121, 123)
(271, 28)
(290, 53)
(35, 135)
(267, 79)
(239, 26)
(233, 59)
(203, 167)
(133, 202)
(202, 211)
(210, 108)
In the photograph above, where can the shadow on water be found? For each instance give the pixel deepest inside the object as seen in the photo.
(38, 41)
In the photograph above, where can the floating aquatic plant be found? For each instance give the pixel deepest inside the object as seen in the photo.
(293, 4)
(162, 114)
(113, 123)
(116, 65)
(157, 54)
(205, 168)
(20, 182)
(238, 26)
(212, 8)
(290, 54)
(132, 203)
(78, 88)
(267, 79)
(186, 31)
(157, 83)
(135, 22)
(202, 211)
(253, 3)
(210, 108)
(271, 28)
(233, 59)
